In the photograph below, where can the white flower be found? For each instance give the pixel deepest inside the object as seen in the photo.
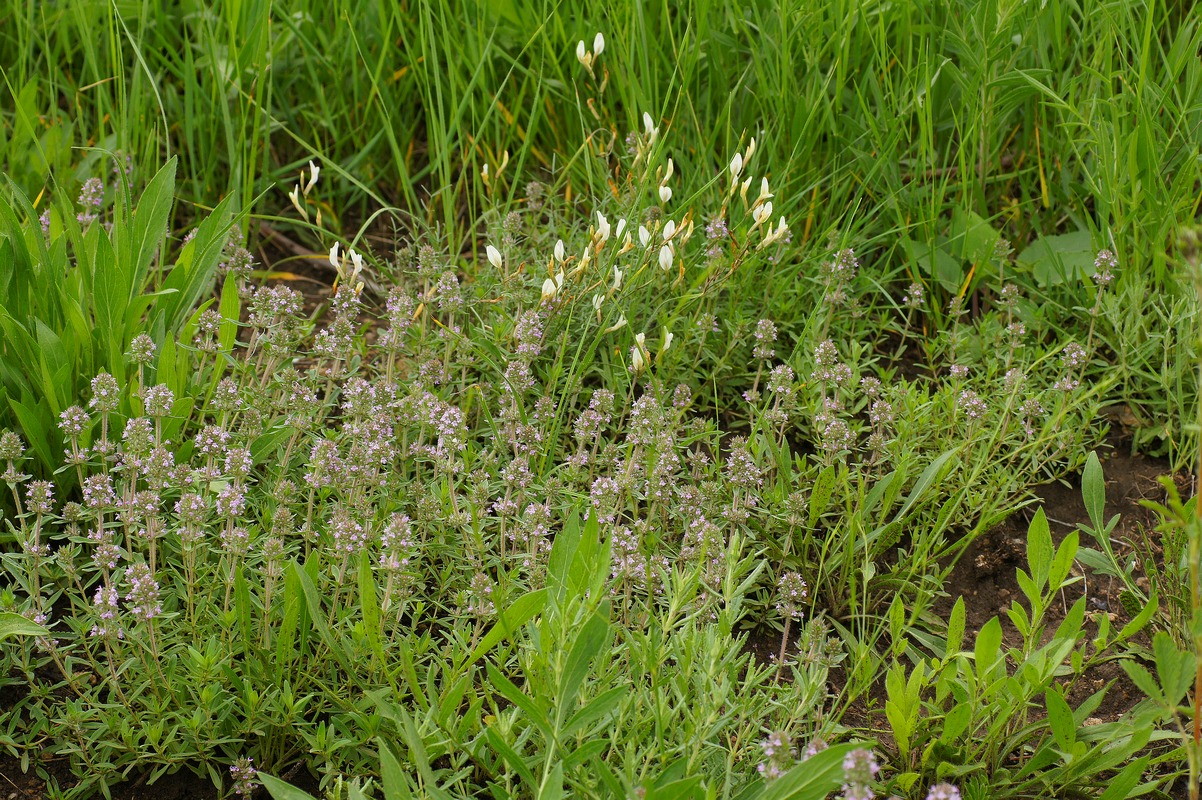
(736, 166)
(617, 280)
(636, 359)
(764, 193)
(669, 230)
(357, 261)
(644, 235)
(665, 194)
(671, 169)
(750, 150)
(598, 299)
(582, 54)
(668, 337)
(559, 256)
(627, 244)
(602, 226)
(335, 261)
(494, 256)
(598, 44)
(549, 290)
(621, 323)
(649, 127)
(621, 226)
(762, 212)
(314, 171)
(665, 258)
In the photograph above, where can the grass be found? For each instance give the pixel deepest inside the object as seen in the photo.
(443, 532)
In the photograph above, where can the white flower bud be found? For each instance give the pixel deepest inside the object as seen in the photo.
(494, 256)
(294, 196)
(621, 226)
(549, 290)
(644, 235)
(602, 226)
(559, 256)
(335, 261)
(671, 169)
(764, 193)
(357, 261)
(665, 194)
(621, 323)
(637, 364)
(750, 150)
(582, 54)
(669, 230)
(668, 337)
(598, 299)
(648, 127)
(617, 280)
(665, 258)
(598, 44)
(736, 166)
(314, 171)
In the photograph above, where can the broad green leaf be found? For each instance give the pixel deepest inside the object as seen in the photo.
(12, 624)
(1119, 786)
(1060, 720)
(1039, 549)
(396, 785)
(1175, 667)
(955, 628)
(589, 641)
(369, 604)
(1053, 260)
(517, 614)
(282, 791)
(820, 494)
(989, 640)
(931, 259)
(1093, 492)
(597, 710)
(1143, 680)
(149, 222)
(511, 757)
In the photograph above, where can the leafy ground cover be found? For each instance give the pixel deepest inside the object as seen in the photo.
(426, 400)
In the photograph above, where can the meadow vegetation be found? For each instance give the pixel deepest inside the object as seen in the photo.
(530, 400)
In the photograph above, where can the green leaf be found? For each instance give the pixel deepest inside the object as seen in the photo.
(396, 785)
(989, 641)
(926, 480)
(517, 614)
(1093, 492)
(599, 709)
(12, 624)
(529, 707)
(1060, 720)
(149, 222)
(369, 604)
(1141, 620)
(1053, 260)
(933, 260)
(955, 628)
(552, 788)
(1175, 667)
(1143, 680)
(589, 641)
(510, 756)
(820, 494)
(1119, 786)
(1039, 549)
(282, 791)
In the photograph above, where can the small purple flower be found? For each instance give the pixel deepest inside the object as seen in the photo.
(859, 770)
(143, 596)
(244, 775)
(943, 791)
